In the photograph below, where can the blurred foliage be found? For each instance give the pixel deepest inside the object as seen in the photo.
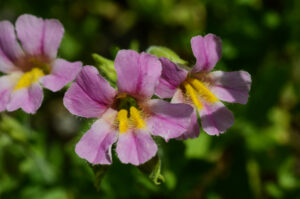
(259, 157)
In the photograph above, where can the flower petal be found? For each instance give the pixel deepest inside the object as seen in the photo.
(135, 147)
(8, 41)
(62, 73)
(90, 95)
(215, 118)
(95, 144)
(171, 77)
(6, 65)
(194, 128)
(178, 97)
(168, 120)
(138, 74)
(53, 33)
(39, 37)
(231, 86)
(29, 99)
(7, 84)
(30, 31)
(207, 50)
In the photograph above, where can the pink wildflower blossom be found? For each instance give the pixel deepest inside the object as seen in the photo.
(128, 116)
(32, 64)
(203, 89)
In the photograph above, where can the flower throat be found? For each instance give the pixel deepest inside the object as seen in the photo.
(34, 68)
(128, 113)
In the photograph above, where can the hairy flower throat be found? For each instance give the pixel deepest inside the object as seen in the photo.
(123, 120)
(135, 116)
(195, 89)
(135, 119)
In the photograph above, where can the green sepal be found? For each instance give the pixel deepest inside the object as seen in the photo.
(152, 168)
(99, 172)
(161, 51)
(106, 68)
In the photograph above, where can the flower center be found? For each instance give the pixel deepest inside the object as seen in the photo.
(129, 116)
(33, 68)
(29, 78)
(134, 119)
(197, 91)
(27, 63)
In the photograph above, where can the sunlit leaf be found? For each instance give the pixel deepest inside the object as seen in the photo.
(161, 51)
(198, 147)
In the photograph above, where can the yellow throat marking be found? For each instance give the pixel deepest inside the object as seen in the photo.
(29, 78)
(192, 93)
(123, 120)
(195, 89)
(135, 119)
(203, 91)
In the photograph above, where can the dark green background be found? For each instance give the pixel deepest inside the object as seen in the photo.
(259, 157)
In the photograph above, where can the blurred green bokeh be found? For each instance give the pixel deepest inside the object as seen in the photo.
(259, 157)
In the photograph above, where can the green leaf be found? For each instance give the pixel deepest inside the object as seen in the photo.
(153, 169)
(161, 51)
(99, 171)
(106, 68)
(198, 147)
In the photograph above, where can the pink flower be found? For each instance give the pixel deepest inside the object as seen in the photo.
(126, 116)
(203, 89)
(34, 64)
